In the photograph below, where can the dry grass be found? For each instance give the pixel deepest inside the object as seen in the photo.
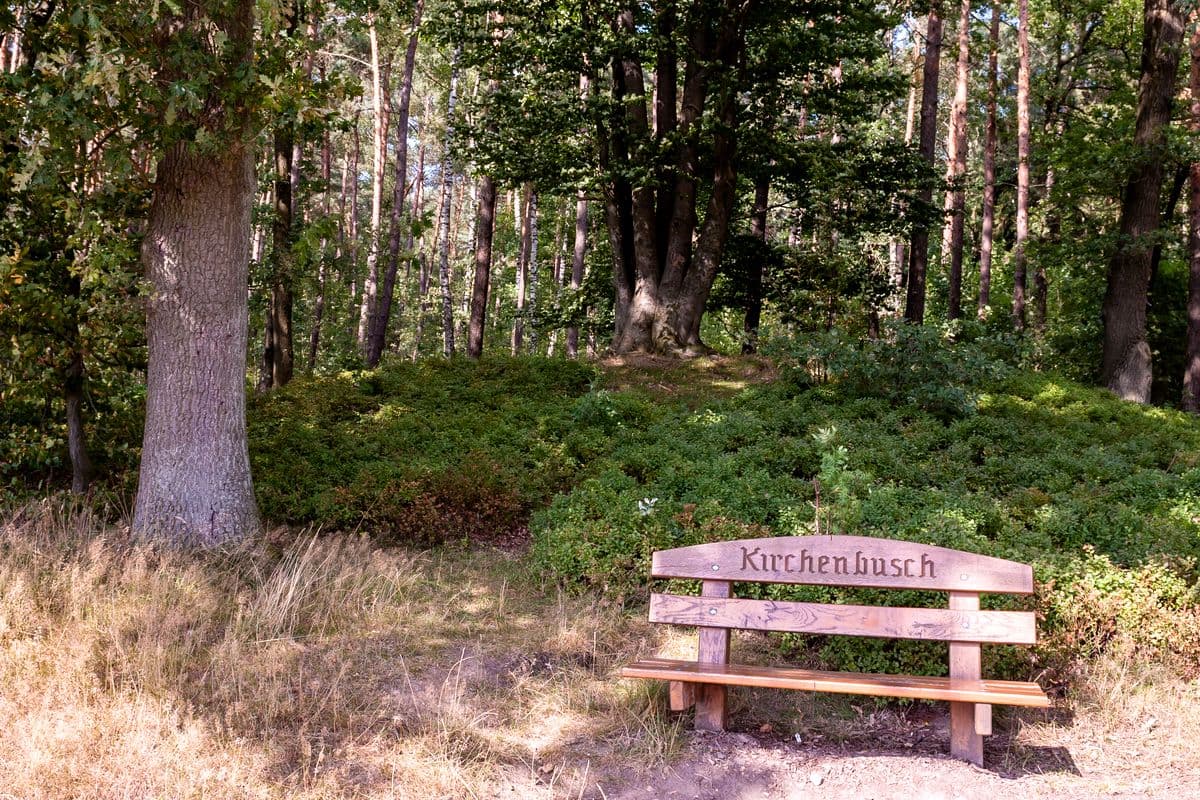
(332, 669)
(327, 668)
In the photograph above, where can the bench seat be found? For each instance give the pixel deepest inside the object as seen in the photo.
(1013, 693)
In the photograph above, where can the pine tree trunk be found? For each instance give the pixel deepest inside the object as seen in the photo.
(444, 222)
(1191, 362)
(918, 257)
(1126, 367)
(352, 230)
(1019, 266)
(314, 341)
(987, 232)
(377, 335)
(380, 94)
(956, 167)
(485, 226)
(280, 308)
(754, 288)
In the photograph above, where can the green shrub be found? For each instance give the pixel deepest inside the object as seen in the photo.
(1101, 496)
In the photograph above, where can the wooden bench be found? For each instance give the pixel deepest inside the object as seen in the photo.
(844, 561)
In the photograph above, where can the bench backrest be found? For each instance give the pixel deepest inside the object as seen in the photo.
(845, 561)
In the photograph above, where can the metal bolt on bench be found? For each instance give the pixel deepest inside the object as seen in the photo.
(844, 561)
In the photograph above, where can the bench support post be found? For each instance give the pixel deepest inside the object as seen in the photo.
(713, 649)
(965, 742)
(683, 695)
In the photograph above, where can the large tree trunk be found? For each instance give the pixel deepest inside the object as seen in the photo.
(73, 381)
(377, 335)
(956, 167)
(918, 256)
(1018, 306)
(662, 280)
(1126, 367)
(194, 485)
(989, 169)
(1191, 363)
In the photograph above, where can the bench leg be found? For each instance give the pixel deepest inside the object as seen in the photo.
(683, 695)
(965, 664)
(965, 743)
(713, 649)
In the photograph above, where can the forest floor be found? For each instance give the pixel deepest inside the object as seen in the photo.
(346, 671)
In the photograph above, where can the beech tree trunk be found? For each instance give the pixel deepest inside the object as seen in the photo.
(987, 231)
(377, 335)
(956, 167)
(1126, 366)
(918, 256)
(1191, 362)
(1019, 281)
(194, 485)
(664, 258)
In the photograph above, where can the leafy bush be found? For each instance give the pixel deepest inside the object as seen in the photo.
(418, 453)
(1101, 496)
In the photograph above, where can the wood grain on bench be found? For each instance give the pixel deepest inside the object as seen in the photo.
(941, 624)
(1016, 693)
(858, 561)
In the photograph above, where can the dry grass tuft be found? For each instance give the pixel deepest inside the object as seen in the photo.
(330, 669)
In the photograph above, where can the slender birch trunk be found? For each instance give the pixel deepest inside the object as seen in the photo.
(1019, 259)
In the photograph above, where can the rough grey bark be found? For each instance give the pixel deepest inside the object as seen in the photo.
(918, 256)
(1126, 366)
(194, 485)
(314, 341)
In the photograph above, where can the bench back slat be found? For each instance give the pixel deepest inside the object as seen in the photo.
(938, 624)
(845, 561)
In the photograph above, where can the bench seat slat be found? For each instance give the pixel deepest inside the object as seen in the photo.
(938, 624)
(1015, 693)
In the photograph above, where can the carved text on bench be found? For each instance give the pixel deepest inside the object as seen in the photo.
(755, 560)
